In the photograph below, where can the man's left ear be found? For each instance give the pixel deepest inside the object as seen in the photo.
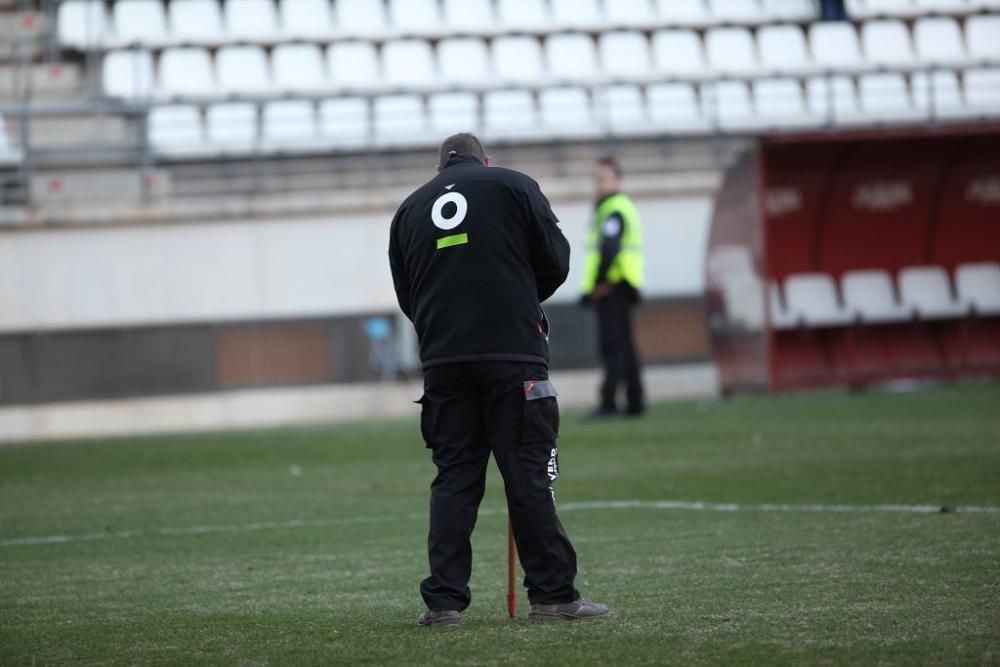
(486, 161)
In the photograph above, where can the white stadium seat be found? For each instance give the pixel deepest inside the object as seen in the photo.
(566, 110)
(345, 120)
(629, 13)
(926, 291)
(352, 64)
(576, 13)
(522, 14)
(186, 71)
(939, 40)
(833, 99)
(289, 123)
(979, 287)
(734, 11)
(517, 59)
(243, 70)
(82, 23)
(399, 119)
(414, 16)
(942, 6)
(812, 299)
(140, 21)
(469, 14)
(783, 48)
(408, 62)
(232, 125)
(982, 90)
(727, 104)
(938, 94)
(176, 128)
(306, 18)
(684, 11)
(885, 96)
(509, 112)
(678, 52)
(674, 106)
(835, 46)
(868, 8)
(359, 17)
(454, 112)
(625, 54)
(982, 37)
(781, 318)
(731, 50)
(464, 60)
(571, 57)
(195, 20)
(250, 19)
(887, 42)
(128, 74)
(781, 102)
(298, 67)
(793, 10)
(869, 297)
(622, 108)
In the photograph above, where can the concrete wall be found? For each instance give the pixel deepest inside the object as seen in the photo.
(173, 274)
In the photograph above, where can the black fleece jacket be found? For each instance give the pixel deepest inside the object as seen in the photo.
(473, 253)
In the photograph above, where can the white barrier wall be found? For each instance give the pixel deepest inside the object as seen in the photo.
(270, 268)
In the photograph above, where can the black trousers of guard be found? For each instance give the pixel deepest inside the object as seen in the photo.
(618, 353)
(470, 410)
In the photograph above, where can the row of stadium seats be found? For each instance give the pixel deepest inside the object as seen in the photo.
(870, 297)
(577, 111)
(418, 64)
(86, 23)
(867, 8)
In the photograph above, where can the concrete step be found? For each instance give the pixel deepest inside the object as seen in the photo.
(78, 132)
(21, 32)
(97, 185)
(44, 82)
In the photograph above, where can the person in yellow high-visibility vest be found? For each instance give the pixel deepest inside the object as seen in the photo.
(612, 278)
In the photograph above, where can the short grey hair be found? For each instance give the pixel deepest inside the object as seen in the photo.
(463, 143)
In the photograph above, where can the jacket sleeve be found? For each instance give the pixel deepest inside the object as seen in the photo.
(611, 244)
(397, 264)
(549, 248)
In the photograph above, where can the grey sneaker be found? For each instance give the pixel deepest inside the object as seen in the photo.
(441, 618)
(568, 611)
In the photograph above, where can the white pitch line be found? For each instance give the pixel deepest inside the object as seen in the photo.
(733, 507)
(490, 511)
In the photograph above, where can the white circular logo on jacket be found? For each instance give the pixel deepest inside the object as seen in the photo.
(461, 208)
(612, 226)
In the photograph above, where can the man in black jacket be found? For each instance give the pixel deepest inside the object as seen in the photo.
(473, 254)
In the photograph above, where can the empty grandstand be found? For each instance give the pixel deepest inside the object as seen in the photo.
(195, 192)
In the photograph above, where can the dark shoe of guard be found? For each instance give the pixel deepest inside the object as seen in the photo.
(568, 611)
(441, 618)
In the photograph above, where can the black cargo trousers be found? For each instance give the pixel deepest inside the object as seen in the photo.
(509, 409)
(617, 349)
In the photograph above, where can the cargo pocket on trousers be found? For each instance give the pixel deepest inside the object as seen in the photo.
(541, 412)
(426, 421)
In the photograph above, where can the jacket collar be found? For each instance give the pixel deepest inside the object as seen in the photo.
(461, 159)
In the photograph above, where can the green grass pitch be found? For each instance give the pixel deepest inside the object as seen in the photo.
(306, 545)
